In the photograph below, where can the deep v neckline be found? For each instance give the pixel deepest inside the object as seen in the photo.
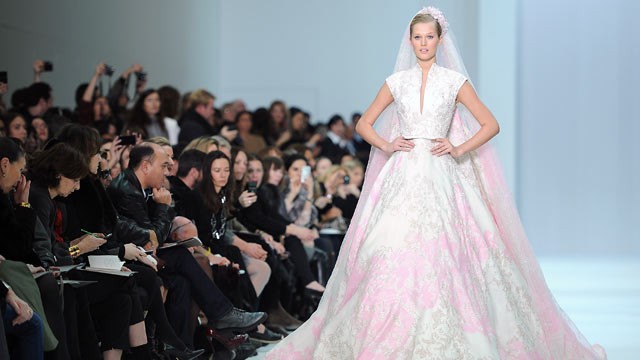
(422, 91)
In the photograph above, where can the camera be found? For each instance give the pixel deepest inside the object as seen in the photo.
(48, 66)
(346, 180)
(128, 140)
(104, 174)
(252, 186)
(108, 70)
(3, 77)
(141, 76)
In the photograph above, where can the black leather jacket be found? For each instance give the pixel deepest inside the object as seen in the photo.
(140, 214)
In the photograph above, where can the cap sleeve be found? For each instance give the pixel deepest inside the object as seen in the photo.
(457, 82)
(393, 82)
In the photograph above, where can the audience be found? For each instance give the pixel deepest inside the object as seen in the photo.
(229, 177)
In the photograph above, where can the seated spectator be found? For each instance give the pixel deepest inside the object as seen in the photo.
(90, 208)
(16, 127)
(147, 170)
(20, 325)
(274, 201)
(38, 135)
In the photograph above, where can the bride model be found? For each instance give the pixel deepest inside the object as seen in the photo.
(436, 264)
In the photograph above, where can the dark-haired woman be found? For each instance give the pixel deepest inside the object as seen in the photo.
(148, 119)
(216, 189)
(17, 221)
(118, 316)
(91, 209)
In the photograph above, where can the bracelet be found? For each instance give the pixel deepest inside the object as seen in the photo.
(25, 204)
(74, 251)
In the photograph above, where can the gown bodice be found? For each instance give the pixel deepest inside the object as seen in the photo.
(439, 100)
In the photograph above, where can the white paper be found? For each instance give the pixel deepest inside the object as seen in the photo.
(109, 262)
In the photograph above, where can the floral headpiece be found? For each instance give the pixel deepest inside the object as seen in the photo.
(438, 15)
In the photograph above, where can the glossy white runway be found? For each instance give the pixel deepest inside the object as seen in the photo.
(602, 297)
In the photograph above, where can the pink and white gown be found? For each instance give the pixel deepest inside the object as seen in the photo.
(426, 271)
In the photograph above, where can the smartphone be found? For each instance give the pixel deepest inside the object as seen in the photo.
(346, 180)
(251, 186)
(128, 140)
(306, 172)
(48, 66)
(3, 77)
(231, 127)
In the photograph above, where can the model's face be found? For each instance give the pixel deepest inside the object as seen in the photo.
(151, 104)
(11, 173)
(255, 171)
(18, 129)
(67, 186)
(425, 40)
(275, 176)
(240, 166)
(220, 173)
(295, 171)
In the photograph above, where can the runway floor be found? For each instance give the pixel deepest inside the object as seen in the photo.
(600, 295)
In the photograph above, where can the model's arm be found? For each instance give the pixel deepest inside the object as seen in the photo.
(365, 125)
(488, 124)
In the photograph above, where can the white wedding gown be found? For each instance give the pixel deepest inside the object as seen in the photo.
(425, 272)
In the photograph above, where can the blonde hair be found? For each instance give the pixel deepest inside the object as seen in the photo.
(201, 143)
(330, 171)
(160, 140)
(425, 18)
(353, 164)
(200, 97)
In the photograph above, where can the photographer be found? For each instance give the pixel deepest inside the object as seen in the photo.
(118, 94)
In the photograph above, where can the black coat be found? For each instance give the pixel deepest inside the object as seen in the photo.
(142, 215)
(263, 214)
(18, 226)
(91, 209)
(193, 125)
